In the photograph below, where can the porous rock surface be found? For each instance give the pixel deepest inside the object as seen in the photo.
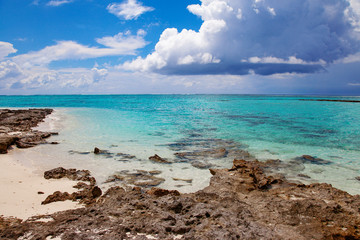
(87, 194)
(16, 128)
(240, 203)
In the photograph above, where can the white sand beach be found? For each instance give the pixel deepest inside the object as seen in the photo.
(23, 187)
(20, 186)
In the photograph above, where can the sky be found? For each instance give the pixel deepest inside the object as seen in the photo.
(180, 47)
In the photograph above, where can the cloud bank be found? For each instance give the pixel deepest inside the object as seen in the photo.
(31, 69)
(257, 36)
(120, 44)
(128, 10)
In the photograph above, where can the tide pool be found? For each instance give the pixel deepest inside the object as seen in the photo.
(134, 127)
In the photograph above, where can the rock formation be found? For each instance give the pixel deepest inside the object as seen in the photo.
(240, 203)
(87, 194)
(16, 128)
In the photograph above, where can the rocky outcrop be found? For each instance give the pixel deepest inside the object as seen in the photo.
(16, 128)
(72, 174)
(240, 203)
(5, 142)
(87, 194)
(23, 119)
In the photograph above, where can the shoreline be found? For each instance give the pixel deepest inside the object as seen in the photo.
(24, 187)
(247, 201)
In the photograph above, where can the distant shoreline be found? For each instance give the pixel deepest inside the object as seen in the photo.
(330, 100)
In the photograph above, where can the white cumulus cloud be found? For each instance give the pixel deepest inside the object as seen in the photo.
(284, 36)
(6, 49)
(130, 9)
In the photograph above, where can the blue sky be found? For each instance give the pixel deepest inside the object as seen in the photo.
(192, 46)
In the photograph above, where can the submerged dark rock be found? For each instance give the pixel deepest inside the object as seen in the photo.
(201, 165)
(78, 152)
(183, 180)
(240, 203)
(312, 160)
(125, 157)
(140, 178)
(214, 153)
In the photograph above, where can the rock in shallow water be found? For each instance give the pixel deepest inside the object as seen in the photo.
(140, 178)
(158, 159)
(215, 153)
(201, 165)
(312, 160)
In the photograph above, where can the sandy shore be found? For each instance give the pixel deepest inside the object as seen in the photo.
(19, 190)
(20, 185)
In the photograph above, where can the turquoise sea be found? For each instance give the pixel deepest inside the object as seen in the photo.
(134, 127)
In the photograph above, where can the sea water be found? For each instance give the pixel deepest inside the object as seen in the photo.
(268, 127)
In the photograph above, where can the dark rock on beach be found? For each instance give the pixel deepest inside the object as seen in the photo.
(87, 194)
(72, 174)
(5, 142)
(240, 203)
(16, 128)
(22, 120)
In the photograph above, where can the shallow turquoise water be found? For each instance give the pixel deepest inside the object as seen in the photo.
(269, 127)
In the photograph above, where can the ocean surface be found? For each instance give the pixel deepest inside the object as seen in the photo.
(131, 128)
